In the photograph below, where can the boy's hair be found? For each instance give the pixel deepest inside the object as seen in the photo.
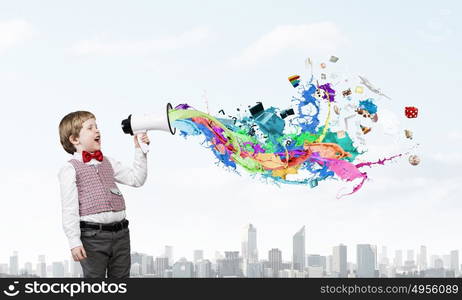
(71, 124)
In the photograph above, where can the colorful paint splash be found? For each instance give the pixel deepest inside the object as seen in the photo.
(290, 146)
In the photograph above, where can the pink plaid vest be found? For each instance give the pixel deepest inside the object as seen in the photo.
(96, 188)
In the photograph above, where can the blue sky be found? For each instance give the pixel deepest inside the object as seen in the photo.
(118, 57)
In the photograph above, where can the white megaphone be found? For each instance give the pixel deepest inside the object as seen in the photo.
(137, 124)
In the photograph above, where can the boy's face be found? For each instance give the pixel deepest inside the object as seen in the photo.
(89, 137)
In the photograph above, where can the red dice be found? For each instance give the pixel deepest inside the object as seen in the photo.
(411, 112)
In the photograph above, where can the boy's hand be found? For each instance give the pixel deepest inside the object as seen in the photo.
(144, 139)
(78, 253)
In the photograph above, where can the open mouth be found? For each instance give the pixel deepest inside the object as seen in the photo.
(98, 139)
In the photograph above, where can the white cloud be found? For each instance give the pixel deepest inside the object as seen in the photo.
(323, 37)
(99, 47)
(14, 32)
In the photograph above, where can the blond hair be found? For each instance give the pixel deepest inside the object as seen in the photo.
(71, 125)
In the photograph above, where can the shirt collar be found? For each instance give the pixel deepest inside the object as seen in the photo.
(78, 156)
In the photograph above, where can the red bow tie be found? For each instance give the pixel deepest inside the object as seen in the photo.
(87, 156)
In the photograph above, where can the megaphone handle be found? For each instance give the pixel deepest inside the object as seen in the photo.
(144, 147)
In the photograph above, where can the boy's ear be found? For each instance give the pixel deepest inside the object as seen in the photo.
(73, 140)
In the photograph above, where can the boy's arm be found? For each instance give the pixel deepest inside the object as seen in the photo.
(136, 174)
(70, 205)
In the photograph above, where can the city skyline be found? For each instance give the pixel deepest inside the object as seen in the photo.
(369, 262)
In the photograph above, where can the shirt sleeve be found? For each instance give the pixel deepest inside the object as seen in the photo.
(136, 174)
(70, 205)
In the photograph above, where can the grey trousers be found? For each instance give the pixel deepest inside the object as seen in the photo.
(106, 252)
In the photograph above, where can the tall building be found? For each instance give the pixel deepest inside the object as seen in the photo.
(144, 264)
(203, 268)
(454, 265)
(298, 244)
(14, 264)
(410, 255)
(374, 249)
(439, 264)
(422, 263)
(150, 265)
(254, 270)
(135, 270)
(135, 257)
(316, 260)
(76, 269)
(198, 255)
(58, 269)
(398, 260)
(329, 264)
(160, 266)
(4, 269)
(67, 267)
(229, 266)
(339, 261)
(41, 266)
(365, 260)
(168, 252)
(275, 261)
(249, 244)
(433, 258)
(28, 268)
(183, 269)
(384, 256)
(446, 261)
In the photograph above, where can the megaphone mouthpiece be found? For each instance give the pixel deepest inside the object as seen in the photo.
(136, 123)
(126, 126)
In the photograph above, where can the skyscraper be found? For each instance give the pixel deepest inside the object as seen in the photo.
(329, 264)
(3, 269)
(410, 255)
(28, 268)
(229, 266)
(41, 266)
(150, 264)
(67, 272)
(365, 259)
(58, 269)
(422, 263)
(203, 268)
(454, 265)
(169, 254)
(76, 269)
(439, 264)
(339, 261)
(198, 255)
(316, 260)
(383, 256)
(143, 261)
(398, 260)
(275, 261)
(183, 269)
(160, 266)
(135, 270)
(254, 270)
(14, 264)
(298, 258)
(249, 244)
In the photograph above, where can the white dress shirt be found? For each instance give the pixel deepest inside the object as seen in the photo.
(133, 176)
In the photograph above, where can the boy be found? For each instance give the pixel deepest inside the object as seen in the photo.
(93, 208)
